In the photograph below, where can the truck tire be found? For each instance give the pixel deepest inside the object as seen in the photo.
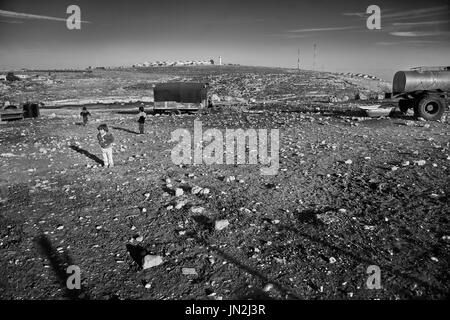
(430, 108)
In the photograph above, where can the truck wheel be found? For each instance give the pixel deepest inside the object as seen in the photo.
(430, 108)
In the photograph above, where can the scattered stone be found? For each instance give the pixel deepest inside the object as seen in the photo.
(332, 260)
(189, 271)
(180, 204)
(150, 261)
(196, 190)
(221, 224)
(280, 260)
(179, 192)
(348, 161)
(230, 179)
(420, 162)
(197, 210)
(328, 217)
(268, 287)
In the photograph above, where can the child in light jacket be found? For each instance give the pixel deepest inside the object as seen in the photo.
(106, 140)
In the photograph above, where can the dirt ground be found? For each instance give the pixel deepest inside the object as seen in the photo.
(351, 192)
(309, 232)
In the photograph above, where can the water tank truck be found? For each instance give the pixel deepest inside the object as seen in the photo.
(423, 89)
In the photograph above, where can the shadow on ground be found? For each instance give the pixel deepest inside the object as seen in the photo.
(87, 154)
(59, 263)
(125, 130)
(365, 260)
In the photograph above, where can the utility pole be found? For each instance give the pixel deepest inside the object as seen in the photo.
(298, 60)
(314, 56)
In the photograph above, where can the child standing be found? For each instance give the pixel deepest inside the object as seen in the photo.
(105, 140)
(85, 113)
(142, 115)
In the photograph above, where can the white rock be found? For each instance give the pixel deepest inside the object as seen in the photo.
(196, 190)
(268, 287)
(179, 192)
(348, 161)
(197, 209)
(180, 204)
(221, 224)
(151, 261)
(189, 271)
(230, 179)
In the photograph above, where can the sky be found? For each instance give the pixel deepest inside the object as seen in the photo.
(33, 34)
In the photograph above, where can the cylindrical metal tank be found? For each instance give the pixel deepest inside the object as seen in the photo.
(408, 81)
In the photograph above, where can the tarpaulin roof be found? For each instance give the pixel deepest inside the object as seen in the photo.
(187, 92)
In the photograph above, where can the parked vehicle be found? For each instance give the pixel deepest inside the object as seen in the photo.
(10, 112)
(425, 90)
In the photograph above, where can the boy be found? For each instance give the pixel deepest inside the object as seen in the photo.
(105, 140)
(84, 113)
(142, 115)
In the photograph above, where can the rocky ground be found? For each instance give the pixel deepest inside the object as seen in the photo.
(227, 83)
(351, 192)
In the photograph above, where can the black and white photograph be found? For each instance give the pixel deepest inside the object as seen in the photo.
(224, 153)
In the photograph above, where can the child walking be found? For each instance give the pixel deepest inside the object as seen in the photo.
(142, 115)
(85, 113)
(106, 140)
